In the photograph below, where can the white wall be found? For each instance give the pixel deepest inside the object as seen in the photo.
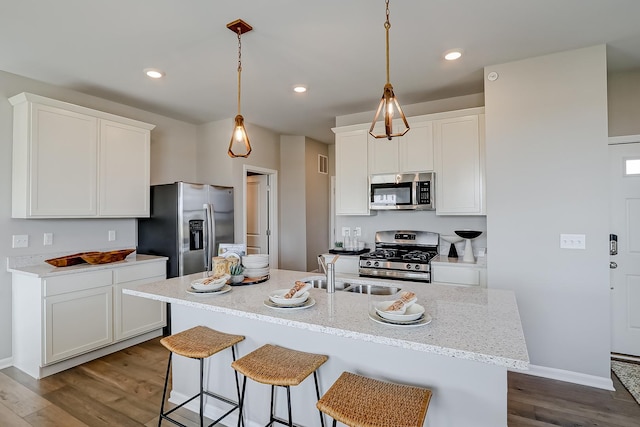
(172, 150)
(317, 201)
(546, 136)
(624, 103)
(293, 215)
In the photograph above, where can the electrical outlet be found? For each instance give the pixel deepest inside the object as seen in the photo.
(358, 231)
(48, 239)
(20, 241)
(112, 235)
(346, 231)
(573, 241)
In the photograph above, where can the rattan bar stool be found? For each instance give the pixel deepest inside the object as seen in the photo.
(359, 401)
(282, 367)
(200, 343)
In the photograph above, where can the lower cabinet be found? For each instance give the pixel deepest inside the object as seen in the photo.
(469, 275)
(58, 320)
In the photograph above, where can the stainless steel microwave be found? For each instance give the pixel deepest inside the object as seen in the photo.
(409, 191)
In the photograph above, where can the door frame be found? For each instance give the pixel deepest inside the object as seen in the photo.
(272, 200)
(619, 140)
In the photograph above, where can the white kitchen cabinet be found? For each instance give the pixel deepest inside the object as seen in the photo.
(134, 315)
(459, 165)
(77, 322)
(64, 319)
(455, 272)
(412, 152)
(352, 176)
(75, 162)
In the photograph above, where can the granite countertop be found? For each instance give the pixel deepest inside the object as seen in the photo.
(468, 323)
(35, 265)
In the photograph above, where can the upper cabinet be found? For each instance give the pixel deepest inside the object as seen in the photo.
(74, 162)
(459, 165)
(412, 152)
(352, 178)
(450, 143)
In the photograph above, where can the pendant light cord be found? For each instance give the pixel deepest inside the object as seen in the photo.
(387, 25)
(240, 65)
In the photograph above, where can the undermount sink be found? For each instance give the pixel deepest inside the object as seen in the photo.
(321, 283)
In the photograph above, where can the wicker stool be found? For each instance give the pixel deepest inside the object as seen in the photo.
(364, 402)
(279, 366)
(199, 342)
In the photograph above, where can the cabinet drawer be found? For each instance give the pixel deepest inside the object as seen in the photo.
(77, 282)
(459, 275)
(137, 272)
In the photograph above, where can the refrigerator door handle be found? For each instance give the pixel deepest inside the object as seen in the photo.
(209, 235)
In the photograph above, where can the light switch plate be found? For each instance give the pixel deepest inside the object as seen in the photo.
(573, 241)
(112, 235)
(48, 239)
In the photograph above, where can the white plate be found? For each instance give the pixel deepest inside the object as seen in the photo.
(223, 290)
(413, 312)
(211, 286)
(277, 297)
(424, 320)
(308, 303)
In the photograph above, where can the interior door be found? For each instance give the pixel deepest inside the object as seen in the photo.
(625, 265)
(258, 214)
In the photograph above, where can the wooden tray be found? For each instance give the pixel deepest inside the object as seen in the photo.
(68, 260)
(106, 257)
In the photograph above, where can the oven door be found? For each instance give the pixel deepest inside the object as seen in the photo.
(392, 195)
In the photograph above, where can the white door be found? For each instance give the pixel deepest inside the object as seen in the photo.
(258, 214)
(625, 223)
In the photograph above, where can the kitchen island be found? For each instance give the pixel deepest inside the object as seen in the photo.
(462, 355)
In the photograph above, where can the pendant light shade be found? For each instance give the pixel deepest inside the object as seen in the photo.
(239, 146)
(389, 104)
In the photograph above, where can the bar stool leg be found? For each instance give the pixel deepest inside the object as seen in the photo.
(315, 379)
(289, 405)
(164, 390)
(201, 392)
(241, 402)
(272, 406)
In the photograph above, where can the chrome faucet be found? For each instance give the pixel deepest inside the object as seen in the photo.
(329, 271)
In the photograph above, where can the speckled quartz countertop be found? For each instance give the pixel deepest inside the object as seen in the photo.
(468, 323)
(35, 266)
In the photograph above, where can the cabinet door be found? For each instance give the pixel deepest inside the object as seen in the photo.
(134, 315)
(416, 148)
(459, 166)
(352, 178)
(124, 170)
(62, 163)
(383, 154)
(77, 322)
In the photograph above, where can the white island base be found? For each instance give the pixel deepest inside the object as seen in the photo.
(465, 392)
(463, 355)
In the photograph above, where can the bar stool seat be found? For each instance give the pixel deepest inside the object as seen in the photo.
(359, 401)
(199, 342)
(279, 366)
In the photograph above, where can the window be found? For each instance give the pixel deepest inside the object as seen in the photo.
(632, 167)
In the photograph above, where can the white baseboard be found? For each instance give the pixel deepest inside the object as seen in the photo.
(5, 363)
(570, 377)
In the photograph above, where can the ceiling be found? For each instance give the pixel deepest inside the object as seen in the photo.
(335, 47)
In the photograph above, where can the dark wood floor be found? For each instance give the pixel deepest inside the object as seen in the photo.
(124, 389)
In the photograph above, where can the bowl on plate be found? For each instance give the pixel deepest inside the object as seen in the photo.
(277, 297)
(413, 312)
(256, 272)
(210, 283)
(255, 260)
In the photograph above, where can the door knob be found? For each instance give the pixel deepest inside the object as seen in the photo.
(613, 264)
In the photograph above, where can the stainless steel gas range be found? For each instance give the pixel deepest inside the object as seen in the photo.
(401, 254)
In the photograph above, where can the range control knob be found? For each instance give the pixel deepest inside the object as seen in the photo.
(417, 267)
(408, 266)
(376, 264)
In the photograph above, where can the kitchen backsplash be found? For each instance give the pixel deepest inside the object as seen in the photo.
(414, 220)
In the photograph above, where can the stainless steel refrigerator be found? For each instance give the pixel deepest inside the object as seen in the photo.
(187, 224)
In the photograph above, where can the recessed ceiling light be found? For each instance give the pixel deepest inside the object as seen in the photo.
(452, 55)
(299, 89)
(153, 73)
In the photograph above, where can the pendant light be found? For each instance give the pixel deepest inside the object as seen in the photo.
(389, 103)
(239, 145)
